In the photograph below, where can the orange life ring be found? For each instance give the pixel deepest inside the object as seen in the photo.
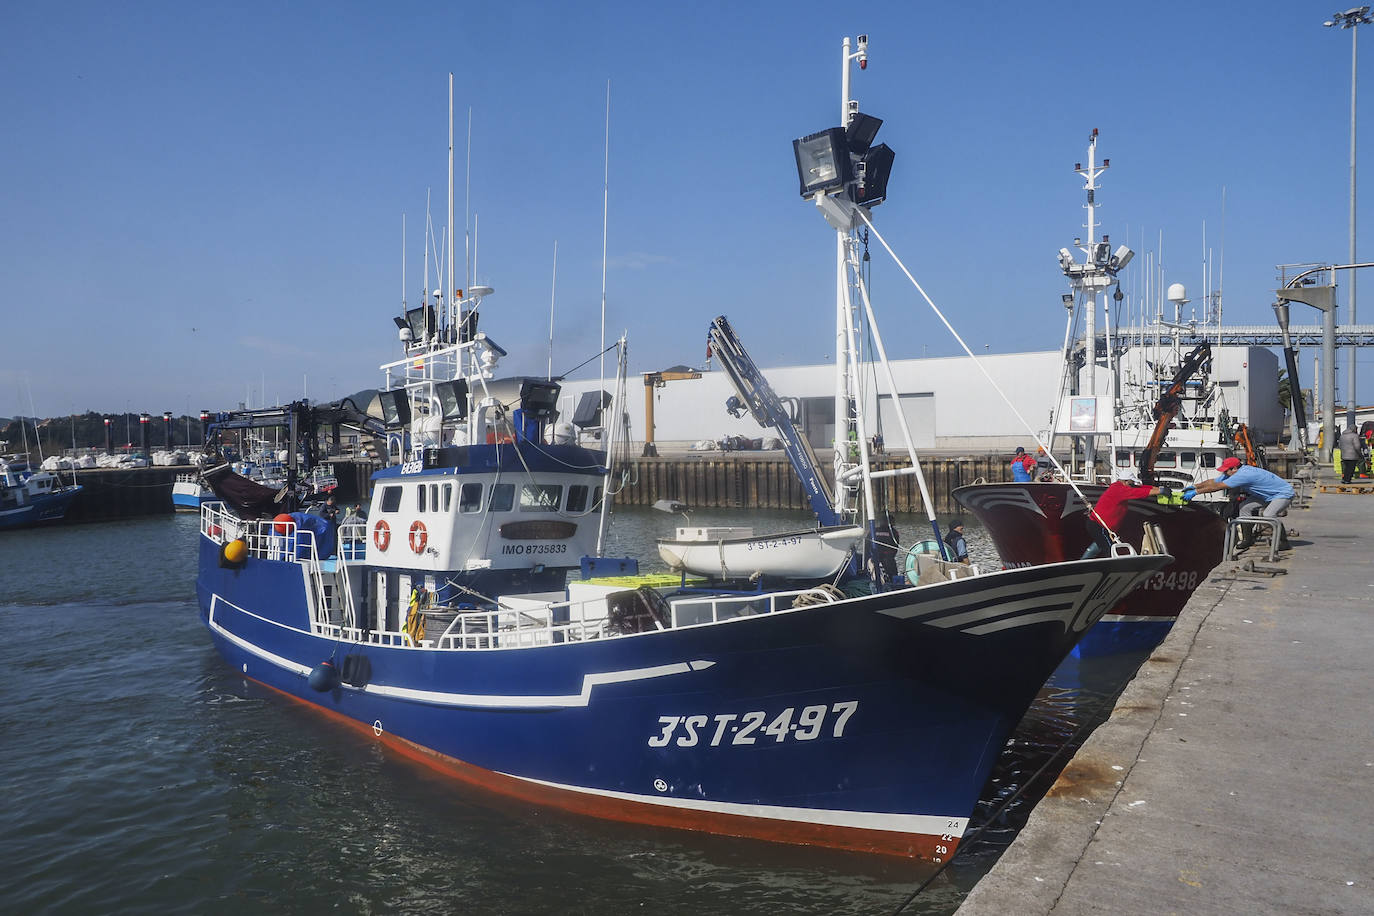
(419, 537)
(381, 536)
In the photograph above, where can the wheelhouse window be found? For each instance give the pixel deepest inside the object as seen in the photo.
(577, 498)
(1209, 460)
(470, 498)
(1123, 458)
(1189, 459)
(1167, 460)
(420, 498)
(502, 497)
(448, 497)
(540, 497)
(391, 499)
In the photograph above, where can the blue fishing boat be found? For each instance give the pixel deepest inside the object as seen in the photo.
(472, 620)
(31, 497)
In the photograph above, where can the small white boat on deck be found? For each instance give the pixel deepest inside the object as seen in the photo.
(735, 553)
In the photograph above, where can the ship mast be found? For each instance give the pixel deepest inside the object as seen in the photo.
(1090, 279)
(846, 415)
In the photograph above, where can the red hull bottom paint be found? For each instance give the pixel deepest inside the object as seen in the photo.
(1036, 523)
(926, 847)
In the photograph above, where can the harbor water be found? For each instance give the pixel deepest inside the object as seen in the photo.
(143, 776)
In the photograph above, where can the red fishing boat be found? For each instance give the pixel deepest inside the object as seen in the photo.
(1036, 523)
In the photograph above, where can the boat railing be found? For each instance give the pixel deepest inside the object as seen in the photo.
(714, 609)
(517, 624)
(221, 526)
(282, 541)
(352, 544)
(506, 626)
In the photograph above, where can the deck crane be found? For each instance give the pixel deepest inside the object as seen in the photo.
(755, 394)
(654, 380)
(1168, 406)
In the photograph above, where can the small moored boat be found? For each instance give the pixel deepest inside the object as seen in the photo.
(29, 497)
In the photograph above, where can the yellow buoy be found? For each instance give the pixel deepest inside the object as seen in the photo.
(236, 551)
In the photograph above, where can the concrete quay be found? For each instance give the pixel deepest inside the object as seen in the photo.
(1236, 773)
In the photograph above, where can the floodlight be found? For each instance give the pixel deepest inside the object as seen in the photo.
(395, 407)
(589, 409)
(1121, 258)
(861, 131)
(453, 399)
(421, 321)
(876, 168)
(467, 328)
(539, 399)
(823, 162)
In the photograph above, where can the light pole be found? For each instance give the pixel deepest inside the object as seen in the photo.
(1351, 19)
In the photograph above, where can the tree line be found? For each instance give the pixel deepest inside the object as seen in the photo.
(54, 435)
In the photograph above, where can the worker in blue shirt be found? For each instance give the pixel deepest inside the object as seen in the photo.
(1266, 493)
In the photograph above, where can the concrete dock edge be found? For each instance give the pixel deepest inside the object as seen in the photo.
(1236, 771)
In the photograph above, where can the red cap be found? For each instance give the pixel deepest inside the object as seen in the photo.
(1230, 464)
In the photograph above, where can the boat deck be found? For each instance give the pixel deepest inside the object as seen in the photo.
(589, 609)
(1234, 775)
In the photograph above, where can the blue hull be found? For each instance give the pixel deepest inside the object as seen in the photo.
(1108, 637)
(43, 509)
(868, 724)
(184, 502)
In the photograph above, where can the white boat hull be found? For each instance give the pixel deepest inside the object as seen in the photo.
(815, 553)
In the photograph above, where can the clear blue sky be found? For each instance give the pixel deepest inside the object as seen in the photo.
(200, 201)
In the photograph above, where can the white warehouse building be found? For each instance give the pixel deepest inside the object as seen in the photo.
(949, 404)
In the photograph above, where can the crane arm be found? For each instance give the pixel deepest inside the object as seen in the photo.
(754, 393)
(1167, 408)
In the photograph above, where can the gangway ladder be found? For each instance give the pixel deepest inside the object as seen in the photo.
(329, 596)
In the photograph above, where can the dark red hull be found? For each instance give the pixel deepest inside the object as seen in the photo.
(1035, 523)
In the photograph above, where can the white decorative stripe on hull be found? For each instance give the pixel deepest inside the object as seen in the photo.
(483, 701)
(1009, 623)
(928, 824)
(245, 645)
(567, 701)
(1052, 599)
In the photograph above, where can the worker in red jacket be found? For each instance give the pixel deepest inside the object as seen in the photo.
(1022, 466)
(1111, 509)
